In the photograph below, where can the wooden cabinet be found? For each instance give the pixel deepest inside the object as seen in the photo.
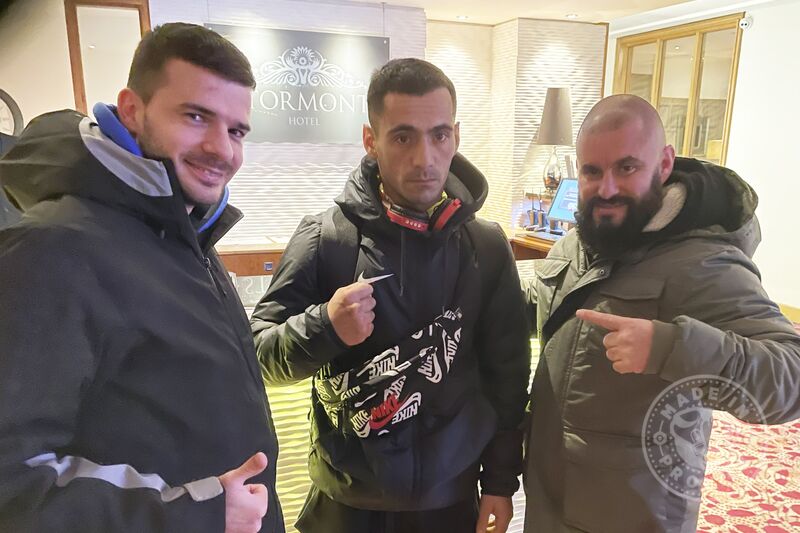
(264, 260)
(530, 247)
(250, 260)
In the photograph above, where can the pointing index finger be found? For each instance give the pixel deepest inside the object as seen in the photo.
(604, 320)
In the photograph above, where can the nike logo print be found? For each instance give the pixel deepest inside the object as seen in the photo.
(362, 279)
(383, 413)
(365, 400)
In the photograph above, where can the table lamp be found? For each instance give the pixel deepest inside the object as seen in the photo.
(555, 130)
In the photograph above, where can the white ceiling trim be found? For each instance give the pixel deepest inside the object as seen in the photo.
(679, 14)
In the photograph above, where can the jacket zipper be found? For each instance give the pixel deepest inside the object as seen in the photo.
(220, 288)
(224, 296)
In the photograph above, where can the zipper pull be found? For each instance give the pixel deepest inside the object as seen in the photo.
(220, 288)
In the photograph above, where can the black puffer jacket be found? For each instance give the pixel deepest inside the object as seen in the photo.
(128, 377)
(472, 417)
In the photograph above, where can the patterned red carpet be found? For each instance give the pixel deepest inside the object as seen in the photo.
(752, 478)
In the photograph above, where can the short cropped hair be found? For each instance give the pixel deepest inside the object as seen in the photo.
(194, 44)
(405, 76)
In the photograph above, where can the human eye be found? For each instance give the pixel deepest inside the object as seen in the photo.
(627, 167)
(590, 172)
(195, 117)
(441, 136)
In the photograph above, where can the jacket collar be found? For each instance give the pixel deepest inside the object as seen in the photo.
(361, 196)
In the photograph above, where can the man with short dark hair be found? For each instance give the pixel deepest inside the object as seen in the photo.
(406, 310)
(655, 290)
(130, 395)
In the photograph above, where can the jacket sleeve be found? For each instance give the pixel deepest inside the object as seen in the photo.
(51, 343)
(503, 347)
(727, 326)
(293, 334)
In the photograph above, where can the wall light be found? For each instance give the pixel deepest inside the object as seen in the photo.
(571, 16)
(462, 17)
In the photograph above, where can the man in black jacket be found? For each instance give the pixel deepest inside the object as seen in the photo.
(406, 310)
(130, 395)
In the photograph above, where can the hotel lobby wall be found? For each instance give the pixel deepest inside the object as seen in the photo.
(502, 74)
(763, 141)
(279, 183)
(763, 136)
(552, 53)
(34, 58)
(505, 47)
(464, 53)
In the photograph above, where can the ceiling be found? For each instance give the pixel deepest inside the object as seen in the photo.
(495, 12)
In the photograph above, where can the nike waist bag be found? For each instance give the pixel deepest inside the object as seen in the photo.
(392, 387)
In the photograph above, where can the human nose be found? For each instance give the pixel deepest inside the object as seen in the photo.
(217, 142)
(608, 186)
(423, 154)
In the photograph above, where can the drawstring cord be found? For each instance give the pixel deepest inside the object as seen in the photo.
(402, 260)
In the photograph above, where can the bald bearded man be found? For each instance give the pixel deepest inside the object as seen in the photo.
(654, 298)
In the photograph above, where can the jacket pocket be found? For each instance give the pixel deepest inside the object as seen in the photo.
(608, 488)
(631, 296)
(549, 268)
(549, 277)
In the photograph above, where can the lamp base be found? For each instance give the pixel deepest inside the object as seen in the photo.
(552, 172)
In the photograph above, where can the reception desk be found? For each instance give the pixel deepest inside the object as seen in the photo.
(244, 260)
(530, 247)
(251, 260)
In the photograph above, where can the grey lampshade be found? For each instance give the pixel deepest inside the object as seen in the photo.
(556, 126)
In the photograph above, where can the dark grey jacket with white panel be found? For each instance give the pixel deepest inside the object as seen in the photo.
(128, 376)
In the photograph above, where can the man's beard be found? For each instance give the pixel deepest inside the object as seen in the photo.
(608, 240)
(149, 144)
(152, 148)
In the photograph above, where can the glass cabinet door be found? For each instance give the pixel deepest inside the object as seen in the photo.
(688, 73)
(676, 88)
(709, 114)
(107, 36)
(642, 71)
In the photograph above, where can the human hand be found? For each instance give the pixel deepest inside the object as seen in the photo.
(494, 514)
(351, 310)
(629, 341)
(245, 505)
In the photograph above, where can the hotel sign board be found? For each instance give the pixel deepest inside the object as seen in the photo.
(311, 87)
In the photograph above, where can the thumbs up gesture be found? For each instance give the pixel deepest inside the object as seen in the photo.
(629, 341)
(245, 504)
